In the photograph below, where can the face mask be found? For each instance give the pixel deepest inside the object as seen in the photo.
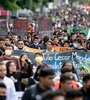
(65, 38)
(75, 45)
(29, 39)
(39, 59)
(36, 44)
(8, 52)
(2, 97)
(59, 25)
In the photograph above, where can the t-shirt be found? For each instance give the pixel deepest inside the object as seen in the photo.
(35, 92)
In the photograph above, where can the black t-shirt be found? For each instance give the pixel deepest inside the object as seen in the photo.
(82, 49)
(17, 77)
(34, 92)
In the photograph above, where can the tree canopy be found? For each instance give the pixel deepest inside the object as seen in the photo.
(16, 4)
(29, 4)
(9, 4)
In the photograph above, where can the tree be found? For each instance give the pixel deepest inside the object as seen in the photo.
(24, 3)
(72, 1)
(31, 4)
(16, 4)
(9, 4)
(80, 1)
(86, 1)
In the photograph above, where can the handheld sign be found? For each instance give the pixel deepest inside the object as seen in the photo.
(20, 26)
(45, 25)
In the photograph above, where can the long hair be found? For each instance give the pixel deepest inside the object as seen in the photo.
(23, 64)
(73, 70)
(8, 65)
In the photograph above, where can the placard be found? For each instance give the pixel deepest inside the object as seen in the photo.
(20, 26)
(45, 25)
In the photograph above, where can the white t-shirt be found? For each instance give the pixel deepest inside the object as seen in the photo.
(11, 93)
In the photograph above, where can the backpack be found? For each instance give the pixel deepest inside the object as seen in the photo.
(57, 85)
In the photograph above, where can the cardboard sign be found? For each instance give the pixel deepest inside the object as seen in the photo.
(20, 27)
(45, 25)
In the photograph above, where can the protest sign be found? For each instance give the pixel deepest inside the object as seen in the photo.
(45, 25)
(20, 27)
(45, 33)
(3, 28)
(80, 60)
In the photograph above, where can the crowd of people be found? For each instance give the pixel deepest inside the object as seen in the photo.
(36, 79)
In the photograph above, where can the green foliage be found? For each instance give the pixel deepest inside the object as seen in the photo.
(31, 4)
(24, 3)
(80, 1)
(87, 1)
(16, 4)
(9, 4)
(44, 2)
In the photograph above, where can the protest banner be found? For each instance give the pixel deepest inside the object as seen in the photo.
(79, 59)
(3, 27)
(20, 27)
(56, 48)
(29, 54)
(34, 50)
(59, 49)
